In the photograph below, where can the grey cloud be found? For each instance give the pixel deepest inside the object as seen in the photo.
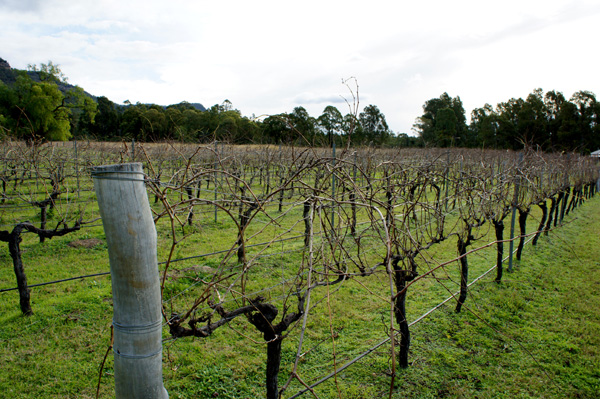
(316, 99)
(21, 5)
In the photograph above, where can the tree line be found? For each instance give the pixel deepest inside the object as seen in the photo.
(543, 120)
(222, 122)
(39, 104)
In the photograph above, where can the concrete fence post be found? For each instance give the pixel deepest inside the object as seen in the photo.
(131, 238)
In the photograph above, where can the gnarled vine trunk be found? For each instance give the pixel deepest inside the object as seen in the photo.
(14, 240)
(499, 230)
(549, 221)
(523, 213)
(263, 319)
(464, 270)
(540, 228)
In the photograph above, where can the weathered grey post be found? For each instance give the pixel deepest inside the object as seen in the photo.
(131, 239)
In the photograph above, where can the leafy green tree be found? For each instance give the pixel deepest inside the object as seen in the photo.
(423, 127)
(303, 125)
(131, 125)
(446, 128)
(568, 127)
(192, 124)
(509, 114)
(249, 131)
(276, 129)
(533, 122)
(484, 126)
(594, 142)
(222, 122)
(81, 108)
(403, 140)
(229, 125)
(106, 124)
(45, 109)
(437, 132)
(48, 72)
(554, 102)
(39, 111)
(174, 121)
(588, 119)
(83, 111)
(374, 126)
(331, 123)
(8, 111)
(182, 106)
(154, 124)
(352, 131)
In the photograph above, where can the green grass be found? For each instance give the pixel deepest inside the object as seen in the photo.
(534, 335)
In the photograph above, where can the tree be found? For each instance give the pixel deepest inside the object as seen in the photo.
(484, 126)
(8, 111)
(304, 125)
(331, 122)
(554, 102)
(446, 128)
(81, 108)
(351, 128)
(174, 119)
(83, 111)
(434, 127)
(509, 114)
(45, 109)
(567, 127)
(373, 125)
(48, 72)
(276, 129)
(131, 122)
(154, 124)
(588, 118)
(40, 111)
(196, 125)
(106, 124)
(533, 123)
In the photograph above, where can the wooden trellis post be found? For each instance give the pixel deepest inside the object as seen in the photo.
(131, 238)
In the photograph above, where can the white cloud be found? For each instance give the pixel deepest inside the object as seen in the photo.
(269, 56)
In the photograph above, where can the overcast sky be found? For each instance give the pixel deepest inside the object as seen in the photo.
(268, 57)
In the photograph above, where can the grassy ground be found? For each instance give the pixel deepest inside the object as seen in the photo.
(534, 335)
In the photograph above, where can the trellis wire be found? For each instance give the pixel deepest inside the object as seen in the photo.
(388, 339)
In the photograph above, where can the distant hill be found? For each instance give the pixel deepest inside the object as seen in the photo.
(198, 106)
(9, 76)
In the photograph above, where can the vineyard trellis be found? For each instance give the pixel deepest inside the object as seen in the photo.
(284, 230)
